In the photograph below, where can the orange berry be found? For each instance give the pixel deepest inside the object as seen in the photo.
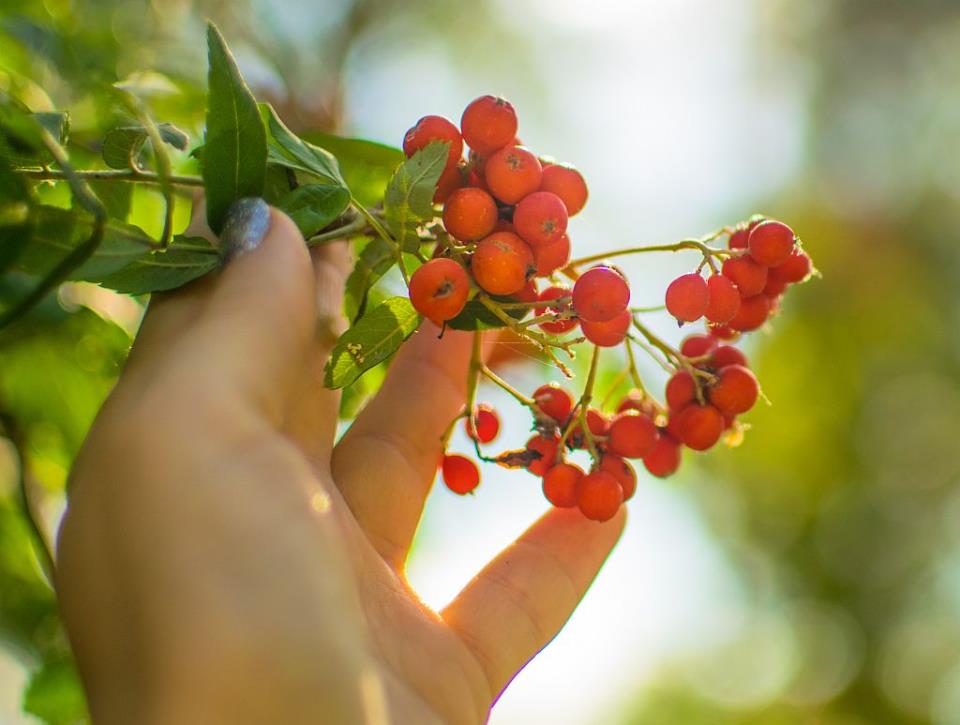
(502, 263)
(469, 214)
(439, 289)
(512, 173)
(567, 183)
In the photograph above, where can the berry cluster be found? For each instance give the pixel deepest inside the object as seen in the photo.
(504, 215)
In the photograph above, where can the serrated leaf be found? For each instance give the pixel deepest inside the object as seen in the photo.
(374, 338)
(184, 261)
(408, 199)
(285, 148)
(475, 316)
(57, 232)
(312, 207)
(235, 150)
(122, 145)
(55, 695)
(16, 202)
(376, 258)
(366, 166)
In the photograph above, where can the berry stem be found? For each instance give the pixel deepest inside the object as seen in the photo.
(543, 342)
(585, 400)
(500, 382)
(654, 308)
(697, 244)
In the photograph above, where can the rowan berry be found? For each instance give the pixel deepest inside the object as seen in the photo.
(700, 426)
(553, 401)
(512, 173)
(664, 459)
(796, 269)
(697, 345)
(567, 183)
(488, 123)
(622, 471)
(687, 297)
(736, 390)
(460, 474)
(450, 180)
(631, 435)
(774, 287)
(771, 242)
(557, 327)
(434, 128)
(639, 401)
(502, 263)
(527, 293)
(723, 299)
(723, 332)
(681, 390)
(560, 485)
(749, 276)
(752, 314)
(540, 218)
(469, 214)
(607, 334)
(597, 423)
(547, 447)
(599, 496)
(484, 424)
(724, 355)
(552, 256)
(439, 289)
(738, 240)
(600, 294)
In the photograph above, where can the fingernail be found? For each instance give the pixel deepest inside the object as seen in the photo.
(246, 226)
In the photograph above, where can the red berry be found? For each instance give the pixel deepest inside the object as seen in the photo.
(469, 214)
(631, 435)
(697, 345)
(723, 299)
(752, 314)
(637, 400)
(439, 289)
(450, 180)
(512, 173)
(687, 297)
(489, 123)
(771, 242)
(774, 287)
(622, 471)
(599, 496)
(560, 485)
(795, 269)
(552, 256)
(540, 218)
(527, 293)
(502, 263)
(664, 459)
(725, 355)
(700, 426)
(736, 390)
(681, 390)
(484, 424)
(567, 183)
(738, 240)
(723, 332)
(547, 448)
(460, 473)
(560, 326)
(553, 401)
(749, 276)
(600, 294)
(597, 423)
(434, 128)
(607, 334)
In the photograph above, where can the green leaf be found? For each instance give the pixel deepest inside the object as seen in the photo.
(475, 316)
(409, 196)
(374, 338)
(116, 198)
(184, 261)
(16, 220)
(366, 165)
(122, 146)
(55, 695)
(312, 207)
(376, 258)
(278, 183)
(20, 140)
(56, 123)
(235, 150)
(289, 150)
(58, 232)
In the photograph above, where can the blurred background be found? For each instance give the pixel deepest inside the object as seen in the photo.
(811, 575)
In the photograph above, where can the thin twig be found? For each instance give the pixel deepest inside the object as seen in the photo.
(131, 175)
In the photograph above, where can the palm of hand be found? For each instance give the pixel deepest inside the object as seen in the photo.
(286, 552)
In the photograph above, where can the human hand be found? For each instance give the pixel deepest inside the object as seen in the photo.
(223, 560)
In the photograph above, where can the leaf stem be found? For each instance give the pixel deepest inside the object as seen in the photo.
(383, 234)
(357, 224)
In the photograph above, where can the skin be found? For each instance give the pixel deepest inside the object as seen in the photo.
(223, 560)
